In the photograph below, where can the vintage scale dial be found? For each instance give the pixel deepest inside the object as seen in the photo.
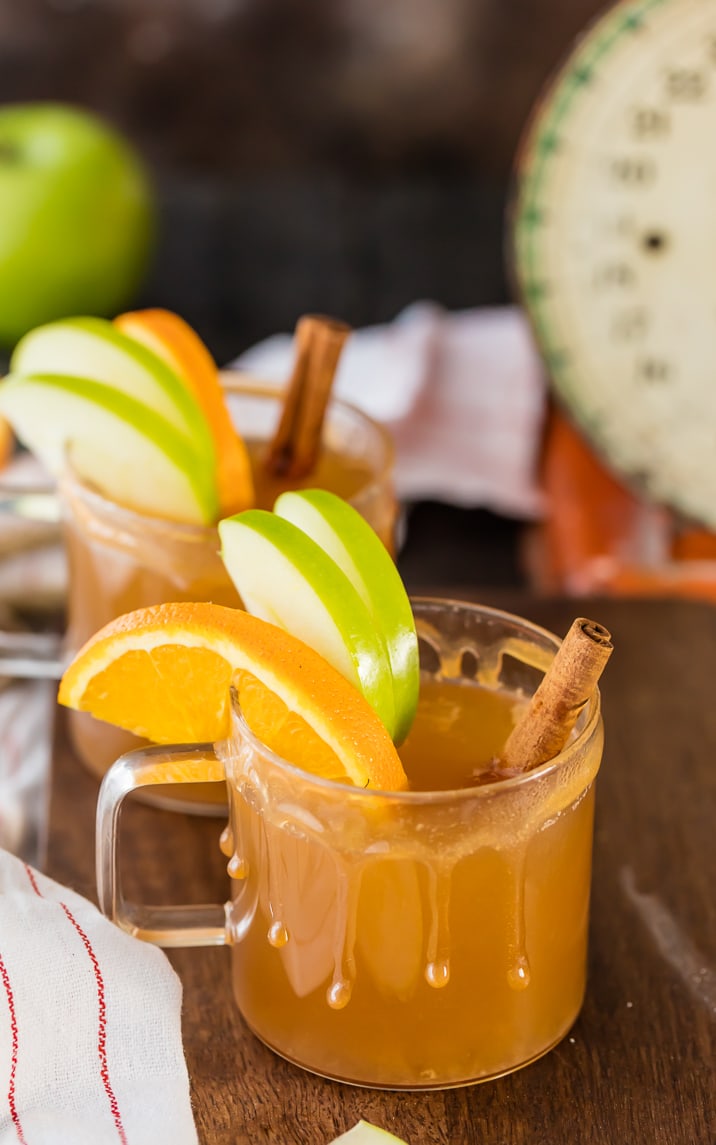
(614, 232)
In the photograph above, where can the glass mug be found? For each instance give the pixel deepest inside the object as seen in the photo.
(120, 560)
(412, 940)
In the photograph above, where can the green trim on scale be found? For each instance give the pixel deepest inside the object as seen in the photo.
(543, 142)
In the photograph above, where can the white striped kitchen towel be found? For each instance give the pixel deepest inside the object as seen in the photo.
(90, 1025)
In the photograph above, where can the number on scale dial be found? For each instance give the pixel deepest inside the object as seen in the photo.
(614, 232)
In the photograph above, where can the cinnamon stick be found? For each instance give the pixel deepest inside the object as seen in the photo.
(294, 450)
(566, 689)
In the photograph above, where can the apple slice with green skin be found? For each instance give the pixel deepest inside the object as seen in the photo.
(355, 547)
(286, 578)
(366, 1134)
(127, 451)
(93, 348)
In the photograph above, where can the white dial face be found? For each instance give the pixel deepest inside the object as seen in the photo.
(615, 244)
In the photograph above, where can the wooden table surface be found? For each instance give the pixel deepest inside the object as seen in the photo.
(637, 1067)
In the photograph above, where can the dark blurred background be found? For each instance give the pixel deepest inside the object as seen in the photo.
(340, 155)
(346, 156)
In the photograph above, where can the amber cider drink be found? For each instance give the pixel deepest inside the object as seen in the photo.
(429, 938)
(120, 560)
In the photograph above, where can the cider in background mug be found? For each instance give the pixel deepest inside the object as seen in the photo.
(120, 560)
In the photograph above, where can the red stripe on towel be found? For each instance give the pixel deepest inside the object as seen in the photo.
(13, 1059)
(33, 881)
(102, 1041)
(102, 1004)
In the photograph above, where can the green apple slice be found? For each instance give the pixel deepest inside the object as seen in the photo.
(284, 577)
(95, 349)
(366, 1134)
(127, 451)
(356, 548)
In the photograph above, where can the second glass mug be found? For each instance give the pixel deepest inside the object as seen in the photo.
(120, 560)
(409, 940)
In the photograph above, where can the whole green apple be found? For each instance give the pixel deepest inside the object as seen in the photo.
(76, 217)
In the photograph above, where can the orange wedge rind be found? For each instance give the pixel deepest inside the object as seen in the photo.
(165, 673)
(177, 343)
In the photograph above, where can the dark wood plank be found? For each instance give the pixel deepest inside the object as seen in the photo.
(638, 1065)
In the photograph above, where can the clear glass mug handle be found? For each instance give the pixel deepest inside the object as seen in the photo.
(191, 925)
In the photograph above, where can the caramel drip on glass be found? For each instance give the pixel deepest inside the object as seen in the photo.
(437, 968)
(518, 969)
(226, 841)
(339, 992)
(277, 932)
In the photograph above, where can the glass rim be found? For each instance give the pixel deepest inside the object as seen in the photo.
(240, 382)
(244, 385)
(132, 518)
(450, 795)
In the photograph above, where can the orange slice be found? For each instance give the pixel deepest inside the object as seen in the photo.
(176, 343)
(164, 673)
(7, 441)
